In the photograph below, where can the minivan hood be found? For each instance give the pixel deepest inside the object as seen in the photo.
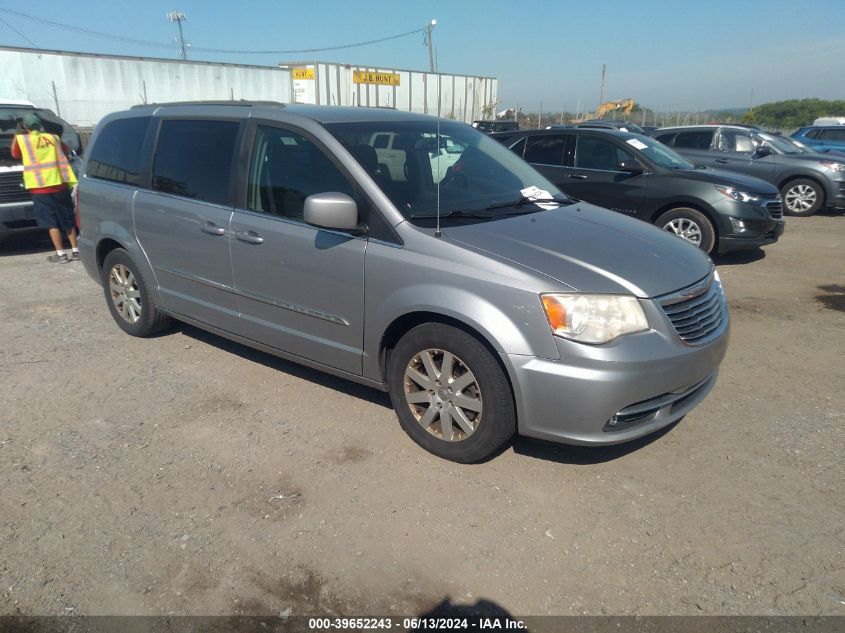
(590, 249)
(728, 178)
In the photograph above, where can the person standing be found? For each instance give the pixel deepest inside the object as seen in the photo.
(48, 177)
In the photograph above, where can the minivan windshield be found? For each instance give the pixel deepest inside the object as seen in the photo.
(473, 176)
(658, 153)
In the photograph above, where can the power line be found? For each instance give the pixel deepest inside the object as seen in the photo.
(18, 32)
(137, 42)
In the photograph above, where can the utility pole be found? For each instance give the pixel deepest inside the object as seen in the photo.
(540, 118)
(601, 93)
(179, 17)
(428, 29)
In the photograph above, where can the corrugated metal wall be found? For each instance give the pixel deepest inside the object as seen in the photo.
(82, 88)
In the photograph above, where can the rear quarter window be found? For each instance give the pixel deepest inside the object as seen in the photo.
(116, 154)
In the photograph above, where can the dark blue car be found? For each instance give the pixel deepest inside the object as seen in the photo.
(822, 138)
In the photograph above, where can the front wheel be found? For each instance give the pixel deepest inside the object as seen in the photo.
(450, 394)
(691, 225)
(802, 197)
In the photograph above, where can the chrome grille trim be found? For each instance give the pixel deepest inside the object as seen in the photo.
(698, 313)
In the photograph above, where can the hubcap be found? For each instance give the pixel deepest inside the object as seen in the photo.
(124, 293)
(685, 228)
(800, 198)
(443, 395)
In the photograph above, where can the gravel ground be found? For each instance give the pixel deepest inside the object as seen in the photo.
(185, 474)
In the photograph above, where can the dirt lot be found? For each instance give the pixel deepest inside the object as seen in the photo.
(187, 474)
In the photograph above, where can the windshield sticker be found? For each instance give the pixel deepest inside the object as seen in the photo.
(635, 142)
(535, 193)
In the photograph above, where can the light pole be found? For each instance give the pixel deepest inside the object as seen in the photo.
(428, 29)
(179, 17)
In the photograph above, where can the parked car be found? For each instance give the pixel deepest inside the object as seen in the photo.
(16, 214)
(716, 210)
(610, 124)
(486, 305)
(495, 126)
(807, 182)
(823, 138)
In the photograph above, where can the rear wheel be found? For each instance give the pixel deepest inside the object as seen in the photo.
(802, 197)
(450, 394)
(691, 225)
(130, 302)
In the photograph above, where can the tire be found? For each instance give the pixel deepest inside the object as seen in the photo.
(130, 302)
(691, 225)
(482, 417)
(802, 197)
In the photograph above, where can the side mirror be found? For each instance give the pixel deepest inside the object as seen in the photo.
(631, 166)
(762, 151)
(332, 210)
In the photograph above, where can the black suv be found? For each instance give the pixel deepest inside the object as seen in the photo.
(807, 181)
(716, 210)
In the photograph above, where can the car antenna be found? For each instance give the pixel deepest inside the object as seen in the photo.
(437, 232)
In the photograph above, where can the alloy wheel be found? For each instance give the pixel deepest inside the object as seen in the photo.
(443, 395)
(685, 228)
(800, 198)
(124, 293)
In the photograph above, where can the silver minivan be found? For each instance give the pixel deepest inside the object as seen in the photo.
(437, 266)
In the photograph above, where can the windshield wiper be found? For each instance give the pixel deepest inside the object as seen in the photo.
(523, 200)
(454, 213)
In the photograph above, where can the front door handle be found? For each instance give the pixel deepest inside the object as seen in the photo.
(250, 237)
(578, 176)
(212, 229)
(722, 161)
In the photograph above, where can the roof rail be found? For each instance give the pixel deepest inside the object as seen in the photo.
(241, 102)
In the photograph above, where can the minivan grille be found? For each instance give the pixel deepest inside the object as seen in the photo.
(698, 313)
(11, 188)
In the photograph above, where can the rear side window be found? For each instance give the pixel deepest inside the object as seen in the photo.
(833, 135)
(116, 156)
(545, 150)
(699, 139)
(194, 158)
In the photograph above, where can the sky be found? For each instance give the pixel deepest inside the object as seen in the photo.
(666, 55)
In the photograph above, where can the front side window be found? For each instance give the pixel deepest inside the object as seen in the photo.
(545, 150)
(592, 152)
(116, 156)
(698, 139)
(812, 134)
(736, 141)
(286, 168)
(194, 158)
(467, 174)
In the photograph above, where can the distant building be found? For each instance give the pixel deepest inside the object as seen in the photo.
(84, 87)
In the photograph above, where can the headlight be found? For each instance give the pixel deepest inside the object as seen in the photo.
(593, 318)
(832, 165)
(740, 196)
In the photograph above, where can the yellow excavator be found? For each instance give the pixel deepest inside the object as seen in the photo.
(625, 105)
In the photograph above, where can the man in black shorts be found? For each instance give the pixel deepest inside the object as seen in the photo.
(48, 177)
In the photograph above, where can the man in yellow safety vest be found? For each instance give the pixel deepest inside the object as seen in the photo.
(48, 177)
